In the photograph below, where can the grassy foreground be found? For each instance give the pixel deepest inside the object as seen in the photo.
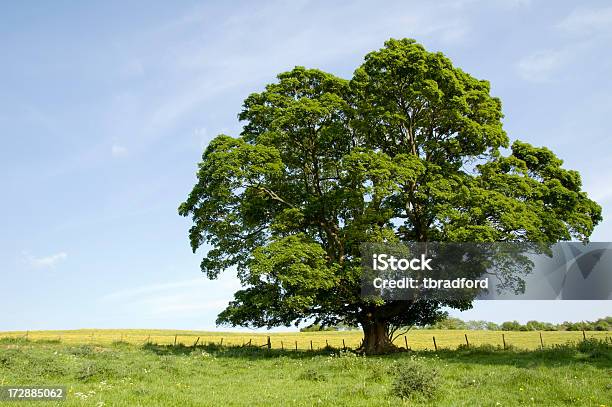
(123, 374)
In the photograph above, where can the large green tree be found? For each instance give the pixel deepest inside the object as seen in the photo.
(410, 149)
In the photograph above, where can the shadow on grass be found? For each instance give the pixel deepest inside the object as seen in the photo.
(251, 352)
(592, 351)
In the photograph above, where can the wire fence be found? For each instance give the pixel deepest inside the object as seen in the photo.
(415, 340)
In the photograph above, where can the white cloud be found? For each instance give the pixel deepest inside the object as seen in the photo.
(187, 303)
(151, 288)
(197, 61)
(584, 21)
(540, 66)
(248, 49)
(118, 151)
(187, 297)
(45, 262)
(584, 29)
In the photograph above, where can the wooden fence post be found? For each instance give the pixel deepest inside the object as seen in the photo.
(282, 346)
(504, 340)
(343, 344)
(541, 341)
(406, 341)
(434, 341)
(221, 344)
(467, 343)
(296, 346)
(583, 335)
(311, 345)
(269, 343)
(175, 340)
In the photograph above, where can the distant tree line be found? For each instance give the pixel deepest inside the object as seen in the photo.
(602, 324)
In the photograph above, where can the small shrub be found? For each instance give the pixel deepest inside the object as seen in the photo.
(12, 357)
(13, 340)
(592, 344)
(87, 371)
(312, 375)
(47, 367)
(47, 341)
(416, 379)
(462, 347)
(100, 370)
(595, 348)
(5, 360)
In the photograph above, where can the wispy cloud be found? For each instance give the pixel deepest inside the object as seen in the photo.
(151, 289)
(582, 29)
(45, 262)
(187, 297)
(165, 75)
(540, 66)
(585, 21)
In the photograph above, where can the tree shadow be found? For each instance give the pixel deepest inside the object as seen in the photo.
(242, 352)
(592, 352)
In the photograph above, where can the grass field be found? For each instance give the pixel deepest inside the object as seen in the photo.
(417, 339)
(100, 371)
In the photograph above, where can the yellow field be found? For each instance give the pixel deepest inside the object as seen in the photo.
(417, 339)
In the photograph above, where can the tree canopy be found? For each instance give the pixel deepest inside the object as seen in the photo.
(410, 149)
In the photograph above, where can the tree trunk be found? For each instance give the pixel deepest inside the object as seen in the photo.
(376, 338)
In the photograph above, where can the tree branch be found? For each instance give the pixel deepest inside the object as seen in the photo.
(274, 196)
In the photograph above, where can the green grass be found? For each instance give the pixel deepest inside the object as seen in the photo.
(124, 374)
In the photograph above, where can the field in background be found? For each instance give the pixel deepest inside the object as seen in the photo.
(416, 339)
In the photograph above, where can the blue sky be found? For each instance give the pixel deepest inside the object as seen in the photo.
(105, 109)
